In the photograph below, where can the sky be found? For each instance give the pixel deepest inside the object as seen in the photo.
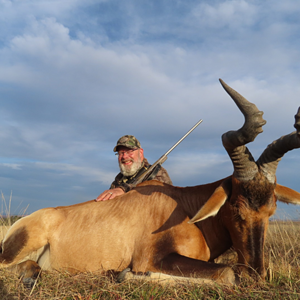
(76, 75)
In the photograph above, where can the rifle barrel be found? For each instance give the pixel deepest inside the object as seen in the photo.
(175, 145)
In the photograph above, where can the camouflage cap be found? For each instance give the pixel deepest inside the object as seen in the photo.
(128, 141)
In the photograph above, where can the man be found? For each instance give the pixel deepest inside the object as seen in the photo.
(132, 163)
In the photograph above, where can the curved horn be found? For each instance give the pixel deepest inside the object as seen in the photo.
(234, 142)
(270, 158)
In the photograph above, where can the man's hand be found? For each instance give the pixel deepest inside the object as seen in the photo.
(110, 194)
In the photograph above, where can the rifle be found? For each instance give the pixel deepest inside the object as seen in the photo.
(161, 160)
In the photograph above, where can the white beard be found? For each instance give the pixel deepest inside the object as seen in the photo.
(132, 169)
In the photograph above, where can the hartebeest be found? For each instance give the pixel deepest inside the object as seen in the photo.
(156, 227)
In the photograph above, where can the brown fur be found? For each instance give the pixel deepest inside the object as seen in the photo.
(146, 230)
(139, 230)
(257, 191)
(12, 247)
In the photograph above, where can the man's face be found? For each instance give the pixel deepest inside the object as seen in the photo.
(130, 160)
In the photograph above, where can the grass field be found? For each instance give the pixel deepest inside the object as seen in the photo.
(282, 262)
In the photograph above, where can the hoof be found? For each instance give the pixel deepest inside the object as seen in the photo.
(28, 282)
(121, 276)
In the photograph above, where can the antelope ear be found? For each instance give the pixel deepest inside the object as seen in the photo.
(214, 203)
(287, 195)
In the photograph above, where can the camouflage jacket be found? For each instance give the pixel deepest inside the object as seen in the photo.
(121, 180)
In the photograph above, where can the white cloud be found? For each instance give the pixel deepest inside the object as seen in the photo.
(233, 14)
(12, 166)
(16, 8)
(88, 172)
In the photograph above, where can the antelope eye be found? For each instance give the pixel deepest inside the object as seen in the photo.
(243, 216)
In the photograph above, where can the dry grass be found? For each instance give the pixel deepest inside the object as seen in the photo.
(282, 262)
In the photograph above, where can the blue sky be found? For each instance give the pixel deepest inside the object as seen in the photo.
(77, 75)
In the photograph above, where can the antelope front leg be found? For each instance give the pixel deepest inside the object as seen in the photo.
(28, 270)
(178, 265)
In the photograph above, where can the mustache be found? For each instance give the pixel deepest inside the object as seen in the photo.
(127, 160)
